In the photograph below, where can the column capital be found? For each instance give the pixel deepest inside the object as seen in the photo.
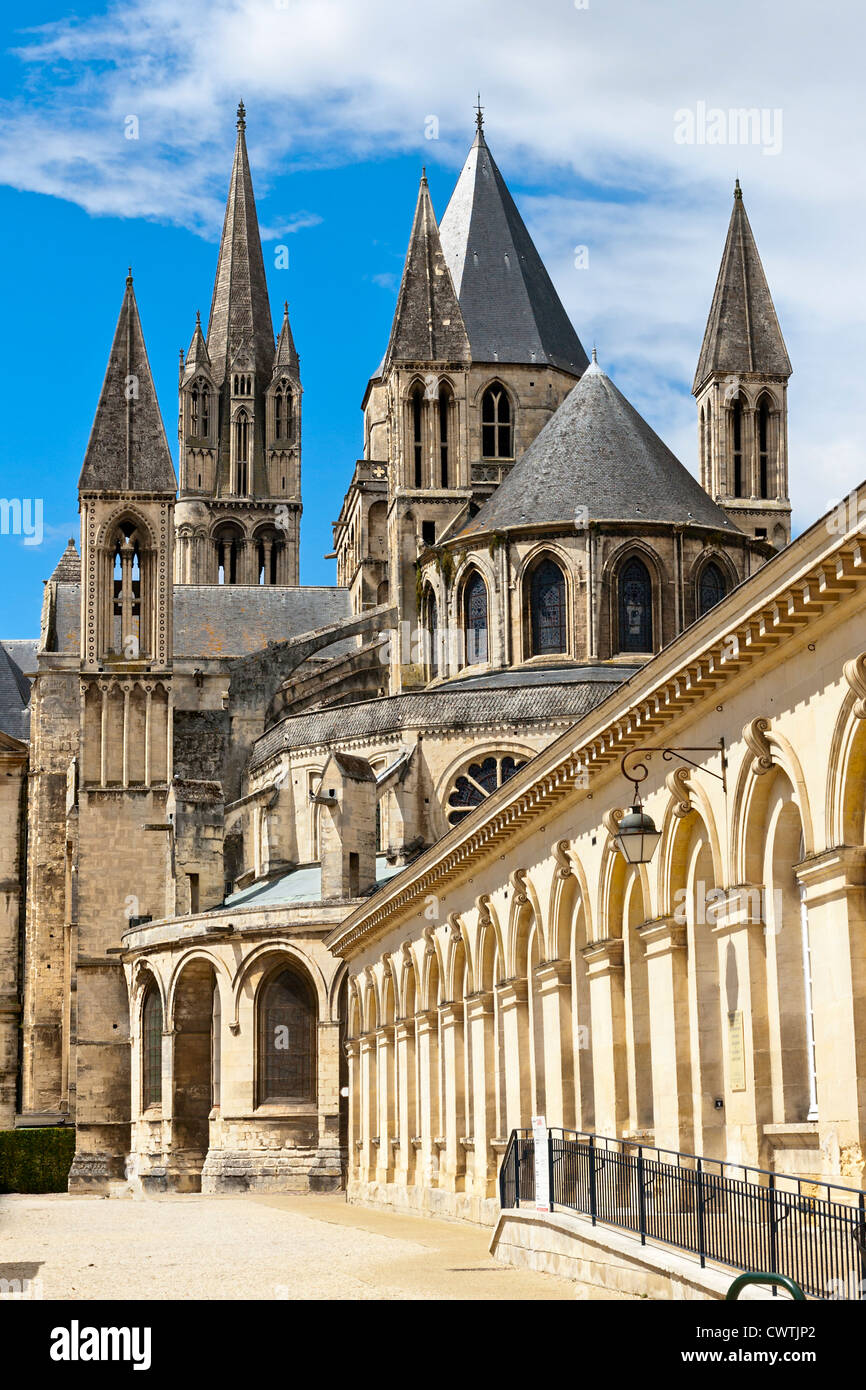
(832, 873)
(663, 935)
(385, 1035)
(553, 974)
(479, 1003)
(428, 1021)
(404, 1029)
(604, 956)
(737, 907)
(512, 992)
(451, 1013)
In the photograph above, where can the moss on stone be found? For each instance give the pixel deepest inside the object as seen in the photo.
(35, 1160)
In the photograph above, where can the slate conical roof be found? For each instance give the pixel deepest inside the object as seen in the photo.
(511, 309)
(598, 455)
(428, 324)
(742, 333)
(240, 312)
(286, 358)
(68, 567)
(127, 450)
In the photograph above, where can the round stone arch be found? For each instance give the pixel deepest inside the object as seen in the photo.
(264, 960)
(222, 975)
(126, 512)
(631, 549)
(845, 796)
(751, 792)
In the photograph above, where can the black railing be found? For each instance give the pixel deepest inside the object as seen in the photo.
(742, 1217)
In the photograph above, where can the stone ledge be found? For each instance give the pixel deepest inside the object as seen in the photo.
(606, 1263)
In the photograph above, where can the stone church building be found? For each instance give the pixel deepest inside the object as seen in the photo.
(214, 774)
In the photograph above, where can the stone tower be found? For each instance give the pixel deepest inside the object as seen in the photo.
(481, 352)
(117, 786)
(741, 387)
(239, 506)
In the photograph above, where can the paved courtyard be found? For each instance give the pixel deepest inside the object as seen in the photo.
(272, 1247)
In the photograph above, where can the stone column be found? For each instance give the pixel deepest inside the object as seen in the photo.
(835, 898)
(554, 984)
(453, 1169)
(482, 1043)
(739, 932)
(667, 982)
(404, 1034)
(604, 962)
(387, 1107)
(366, 1163)
(513, 998)
(427, 1041)
(353, 1137)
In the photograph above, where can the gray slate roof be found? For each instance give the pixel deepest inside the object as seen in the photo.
(240, 310)
(597, 453)
(215, 620)
(431, 710)
(127, 450)
(428, 324)
(23, 651)
(14, 697)
(301, 885)
(511, 309)
(68, 567)
(286, 357)
(742, 333)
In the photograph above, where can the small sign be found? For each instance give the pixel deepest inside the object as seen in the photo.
(542, 1163)
(736, 1051)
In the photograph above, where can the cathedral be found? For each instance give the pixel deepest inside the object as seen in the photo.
(214, 773)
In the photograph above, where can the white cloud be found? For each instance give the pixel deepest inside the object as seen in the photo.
(579, 102)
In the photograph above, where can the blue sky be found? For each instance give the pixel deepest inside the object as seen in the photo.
(581, 107)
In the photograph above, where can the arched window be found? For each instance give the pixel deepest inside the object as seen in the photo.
(431, 623)
(496, 433)
(737, 447)
(547, 609)
(763, 423)
(475, 619)
(151, 1049)
(287, 1040)
(283, 411)
(128, 632)
(269, 548)
(445, 403)
(416, 412)
(478, 781)
(242, 453)
(200, 410)
(711, 588)
(228, 542)
(635, 607)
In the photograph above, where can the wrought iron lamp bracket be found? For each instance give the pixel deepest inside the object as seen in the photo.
(637, 772)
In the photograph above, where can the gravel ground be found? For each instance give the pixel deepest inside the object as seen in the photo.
(275, 1247)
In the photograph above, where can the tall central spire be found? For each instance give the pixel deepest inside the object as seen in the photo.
(240, 313)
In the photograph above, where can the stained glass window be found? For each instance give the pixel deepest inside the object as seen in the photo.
(475, 609)
(712, 588)
(547, 603)
(635, 607)
(478, 781)
(151, 1049)
(287, 1023)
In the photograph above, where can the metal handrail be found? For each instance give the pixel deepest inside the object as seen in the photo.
(781, 1280)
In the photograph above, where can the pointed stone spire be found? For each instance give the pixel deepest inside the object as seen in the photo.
(240, 312)
(127, 450)
(428, 325)
(197, 357)
(68, 567)
(742, 333)
(511, 309)
(286, 358)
